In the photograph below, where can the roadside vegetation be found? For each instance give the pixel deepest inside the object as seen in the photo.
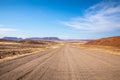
(111, 44)
(11, 48)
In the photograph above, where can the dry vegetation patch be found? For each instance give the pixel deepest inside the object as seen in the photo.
(104, 48)
(110, 41)
(11, 48)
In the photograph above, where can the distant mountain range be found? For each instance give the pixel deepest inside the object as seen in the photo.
(45, 38)
(12, 38)
(33, 38)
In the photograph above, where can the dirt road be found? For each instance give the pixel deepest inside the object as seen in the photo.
(65, 63)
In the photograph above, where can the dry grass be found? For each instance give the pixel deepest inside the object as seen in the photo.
(109, 49)
(110, 41)
(110, 44)
(12, 48)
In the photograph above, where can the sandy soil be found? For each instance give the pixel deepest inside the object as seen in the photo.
(108, 49)
(11, 49)
(64, 63)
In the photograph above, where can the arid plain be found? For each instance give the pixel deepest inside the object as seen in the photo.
(59, 61)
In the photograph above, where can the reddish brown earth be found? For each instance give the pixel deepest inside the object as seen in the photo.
(64, 63)
(110, 41)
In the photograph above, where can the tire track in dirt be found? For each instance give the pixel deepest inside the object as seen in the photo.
(65, 63)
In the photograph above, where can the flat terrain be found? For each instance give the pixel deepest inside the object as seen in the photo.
(64, 63)
(12, 48)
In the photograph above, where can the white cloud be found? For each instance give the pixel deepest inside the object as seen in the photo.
(100, 17)
(7, 29)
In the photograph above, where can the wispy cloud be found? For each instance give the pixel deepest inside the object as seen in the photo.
(100, 17)
(7, 29)
(4, 28)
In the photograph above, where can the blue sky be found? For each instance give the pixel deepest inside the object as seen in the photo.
(66, 19)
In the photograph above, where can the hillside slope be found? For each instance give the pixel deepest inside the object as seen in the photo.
(110, 41)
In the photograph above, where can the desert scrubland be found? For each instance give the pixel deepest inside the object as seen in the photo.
(110, 44)
(10, 48)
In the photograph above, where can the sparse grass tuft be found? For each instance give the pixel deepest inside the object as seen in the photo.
(11, 48)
